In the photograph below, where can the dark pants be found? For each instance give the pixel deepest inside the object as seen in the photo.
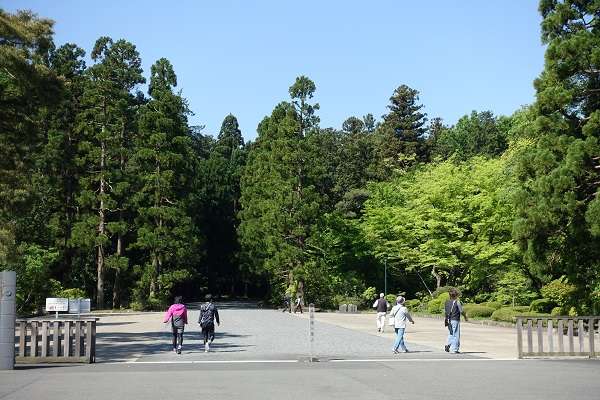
(177, 336)
(208, 332)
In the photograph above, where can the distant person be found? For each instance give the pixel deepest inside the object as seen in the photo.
(401, 315)
(177, 313)
(381, 305)
(208, 315)
(287, 302)
(299, 303)
(453, 310)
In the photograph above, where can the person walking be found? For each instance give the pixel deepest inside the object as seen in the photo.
(381, 305)
(453, 310)
(287, 302)
(401, 315)
(299, 303)
(177, 313)
(208, 315)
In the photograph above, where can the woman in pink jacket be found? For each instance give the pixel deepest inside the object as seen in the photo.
(177, 313)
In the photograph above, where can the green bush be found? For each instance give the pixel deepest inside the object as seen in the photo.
(369, 295)
(556, 311)
(477, 310)
(72, 293)
(508, 314)
(493, 304)
(440, 290)
(436, 305)
(542, 305)
(560, 291)
(413, 304)
(391, 298)
(514, 287)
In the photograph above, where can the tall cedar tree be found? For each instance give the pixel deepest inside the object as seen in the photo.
(558, 204)
(161, 166)
(280, 203)
(402, 134)
(105, 124)
(220, 194)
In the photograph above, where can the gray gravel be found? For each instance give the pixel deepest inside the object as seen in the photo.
(256, 334)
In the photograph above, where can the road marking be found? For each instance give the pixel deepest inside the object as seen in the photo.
(421, 359)
(206, 362)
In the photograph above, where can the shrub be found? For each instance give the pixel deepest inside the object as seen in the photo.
(478, 310)
(413, 304)
(436, 305)
(515, 287)
(391, 298)
(493, 304)
(542, 305)
(560, 291)
(369, 295)
(508, 314)
(73, 293)
(556, 311)
(440, 290)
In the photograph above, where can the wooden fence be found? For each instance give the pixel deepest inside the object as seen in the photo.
(558, 336)
(55, 340)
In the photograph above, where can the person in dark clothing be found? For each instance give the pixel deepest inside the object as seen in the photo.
(177, 313)
(208, 315)
(453, 310)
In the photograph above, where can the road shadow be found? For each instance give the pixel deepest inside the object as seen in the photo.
(114, 347)
(99, 323)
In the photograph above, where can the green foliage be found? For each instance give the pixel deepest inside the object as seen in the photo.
(559, 292)
(413, 304)
(369, 294)
(492, 304)
(508, 314)
(436, 305)
(514, 287)
(391, 298)
(480, 133)
(71, 293)
(542, 305)
(556, 201)
(478, 310)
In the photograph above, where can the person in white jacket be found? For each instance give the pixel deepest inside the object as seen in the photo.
(401, 315)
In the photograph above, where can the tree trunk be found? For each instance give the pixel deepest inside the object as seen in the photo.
(438, 277)
(116, 298)
(101, 231)
(154, 278)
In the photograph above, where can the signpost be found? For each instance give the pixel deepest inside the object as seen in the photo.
(56, 304)
(311, 330)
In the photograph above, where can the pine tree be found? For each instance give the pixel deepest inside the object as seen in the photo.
(558, 204)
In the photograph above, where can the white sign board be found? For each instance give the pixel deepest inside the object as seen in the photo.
(79, 306)
(55, 304)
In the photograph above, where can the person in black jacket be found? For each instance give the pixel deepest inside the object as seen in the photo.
(208, 315)
(453, 310)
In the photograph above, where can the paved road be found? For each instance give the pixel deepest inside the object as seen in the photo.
(425, 379)
(244, 334)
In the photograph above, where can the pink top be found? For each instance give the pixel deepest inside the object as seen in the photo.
(176, 310)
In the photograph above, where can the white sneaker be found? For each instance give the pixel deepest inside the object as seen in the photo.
(206, 347)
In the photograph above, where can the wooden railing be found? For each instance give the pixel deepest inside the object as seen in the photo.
(55, 340)
(555, 336)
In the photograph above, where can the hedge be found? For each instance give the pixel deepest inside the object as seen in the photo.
(509, 314)
(493, 304)
(477, 310)
(542, 305)
(436, 306)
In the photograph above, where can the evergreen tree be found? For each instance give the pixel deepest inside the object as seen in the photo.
(162, 169)
(219, 205)
(105, 123)
(279, 200)
(558, 224)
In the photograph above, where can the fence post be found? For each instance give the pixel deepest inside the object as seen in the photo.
(311, 330)
(591, 333)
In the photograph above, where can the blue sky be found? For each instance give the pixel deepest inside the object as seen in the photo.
(241, 57)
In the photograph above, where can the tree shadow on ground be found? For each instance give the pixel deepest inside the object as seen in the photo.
(115, 347)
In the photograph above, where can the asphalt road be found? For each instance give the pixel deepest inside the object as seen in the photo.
(424, 379)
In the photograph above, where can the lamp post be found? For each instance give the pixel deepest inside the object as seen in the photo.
(385, 275)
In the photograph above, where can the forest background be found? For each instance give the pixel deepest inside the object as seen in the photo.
(110, 193)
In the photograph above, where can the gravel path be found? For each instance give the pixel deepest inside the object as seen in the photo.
(244, 334)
